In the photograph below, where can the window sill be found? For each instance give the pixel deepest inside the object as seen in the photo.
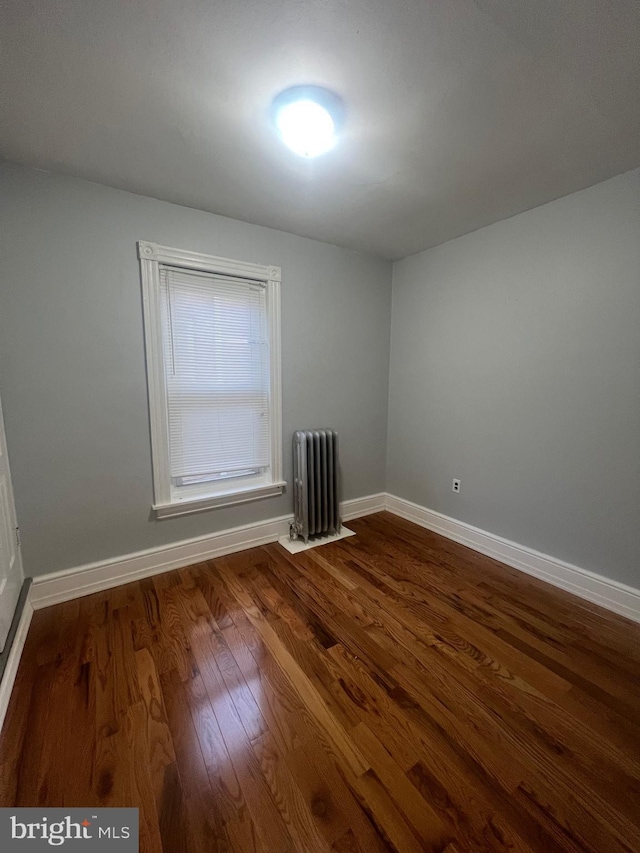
(185, 507)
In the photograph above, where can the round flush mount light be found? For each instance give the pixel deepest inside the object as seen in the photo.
(307, 119)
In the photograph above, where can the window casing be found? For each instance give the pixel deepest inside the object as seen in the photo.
(212, 336)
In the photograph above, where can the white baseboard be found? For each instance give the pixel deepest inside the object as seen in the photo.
(95, 577)
(610, 594)
(11, 669)
(360, 507)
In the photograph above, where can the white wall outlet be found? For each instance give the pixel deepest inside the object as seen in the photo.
(456, 486)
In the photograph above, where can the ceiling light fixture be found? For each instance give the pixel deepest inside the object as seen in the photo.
(307, 119)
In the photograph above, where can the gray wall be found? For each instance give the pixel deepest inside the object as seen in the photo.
(72, 375)
(515, 366)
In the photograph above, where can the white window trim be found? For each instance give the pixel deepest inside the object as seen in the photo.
(151, 256)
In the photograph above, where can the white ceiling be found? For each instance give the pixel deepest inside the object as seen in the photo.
(459, 112)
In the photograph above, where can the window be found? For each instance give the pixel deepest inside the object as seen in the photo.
(212, 332)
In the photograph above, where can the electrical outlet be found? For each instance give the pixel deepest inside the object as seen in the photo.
(456, 486)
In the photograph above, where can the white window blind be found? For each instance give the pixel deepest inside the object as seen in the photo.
(216, 361)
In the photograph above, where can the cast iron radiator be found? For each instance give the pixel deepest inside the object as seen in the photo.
(315, 492)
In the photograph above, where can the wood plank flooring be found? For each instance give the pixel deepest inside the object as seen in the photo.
(391, 691)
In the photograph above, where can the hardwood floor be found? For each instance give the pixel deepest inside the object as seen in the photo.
(392, 691)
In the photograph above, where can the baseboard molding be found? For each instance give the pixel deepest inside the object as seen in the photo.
(95, 577)
(62, 586)
(359, 507)
(13, 660)
(65, 585)
(590, 586)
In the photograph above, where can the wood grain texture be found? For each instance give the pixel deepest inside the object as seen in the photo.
(391, 691)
